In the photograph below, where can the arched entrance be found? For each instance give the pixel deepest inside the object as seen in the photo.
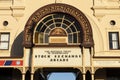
(57, 74)
(27, 75)
(88, 76)
(61, 76)
(108, 74)
(10, 74)
(56, 35)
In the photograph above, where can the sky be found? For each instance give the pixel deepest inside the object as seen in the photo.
(61, 76)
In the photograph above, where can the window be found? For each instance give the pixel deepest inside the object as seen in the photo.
(113, 40)
(4, 40)
(65, 28)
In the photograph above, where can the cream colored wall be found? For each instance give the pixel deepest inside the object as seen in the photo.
(12, 28)
(99, 13)
(105, 11)
(11, 11)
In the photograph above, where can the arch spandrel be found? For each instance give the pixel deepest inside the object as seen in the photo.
(63, 8)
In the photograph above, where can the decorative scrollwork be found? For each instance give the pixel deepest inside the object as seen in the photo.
(63, 8)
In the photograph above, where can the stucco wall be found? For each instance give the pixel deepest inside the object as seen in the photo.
(99, 13)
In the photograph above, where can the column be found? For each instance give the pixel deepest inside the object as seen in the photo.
(83, 76)
(92, 75)
(23, 76)
(83, 63)
(92, 65)
(32, 76)
(31, 65)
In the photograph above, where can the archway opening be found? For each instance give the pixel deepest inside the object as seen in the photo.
(58, 74)
(88, 76)
(61, 76)
(113, 74)
(108, 74)
(10, 74)
(27, 75)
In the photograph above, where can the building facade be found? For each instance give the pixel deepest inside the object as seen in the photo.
(40, 37)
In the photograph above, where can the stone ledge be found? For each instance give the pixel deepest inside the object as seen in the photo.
(106, 7)
(108, 54)
(18, 7)
(5, 8)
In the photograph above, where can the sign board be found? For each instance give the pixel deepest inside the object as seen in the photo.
(58, 39)
(57, 57)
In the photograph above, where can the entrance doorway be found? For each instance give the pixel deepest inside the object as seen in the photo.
(10, 74)
(113, 74)
(108, 74)
(88, 76)
(58, 74)
(61, 76)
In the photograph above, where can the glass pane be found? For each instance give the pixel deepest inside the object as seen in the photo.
(70, 38)
(68, 30)
(114, 36)
(3, 45)
(58, 20)
(48, 30)
(73, 29)
(68, 17)
(64, 26)
(48, 18)
(41, 38)
(46, 38)
(58, 16)
(77, 25)
(52, 26)
(43, 28)
(66, 22)
(110, 45)
(110, 37)
(58, 24)
(39, 26)
(36, 37)
(115, 45)
(4, 37)
(79, 37)
(49, 22)
(113, 40)
(75, 38)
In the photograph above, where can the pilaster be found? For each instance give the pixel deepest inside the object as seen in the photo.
(13, 8)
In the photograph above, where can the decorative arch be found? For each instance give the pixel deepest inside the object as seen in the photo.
(45, 73)
(53, 8)
(88, 75)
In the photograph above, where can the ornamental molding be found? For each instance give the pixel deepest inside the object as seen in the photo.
(63, 8)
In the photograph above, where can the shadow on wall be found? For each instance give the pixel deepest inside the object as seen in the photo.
(17, 47)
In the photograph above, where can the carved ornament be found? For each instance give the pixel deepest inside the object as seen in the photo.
(63, 8)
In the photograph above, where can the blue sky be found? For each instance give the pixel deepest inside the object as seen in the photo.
(61, 76)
